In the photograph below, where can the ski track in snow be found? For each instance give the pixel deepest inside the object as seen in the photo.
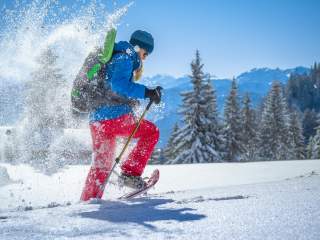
(287, 209)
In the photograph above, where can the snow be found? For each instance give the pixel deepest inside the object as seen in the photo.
(194, 176)
(261, 200)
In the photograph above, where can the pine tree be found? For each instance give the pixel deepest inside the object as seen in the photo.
(313, 148)
(192, 144)
(170, 152)
(273, 135)
(249, 130)
(302, 91)
(309, 148)
(214, 130)
(309, 124)
(296, 137)
(232, 128)
(157, 157)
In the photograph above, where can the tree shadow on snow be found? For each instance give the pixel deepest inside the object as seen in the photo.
(142, 211)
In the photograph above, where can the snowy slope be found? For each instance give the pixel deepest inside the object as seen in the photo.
(265, 200)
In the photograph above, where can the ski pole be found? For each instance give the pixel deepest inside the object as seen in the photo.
(117, 160)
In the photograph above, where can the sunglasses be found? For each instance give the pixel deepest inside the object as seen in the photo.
(145, 54)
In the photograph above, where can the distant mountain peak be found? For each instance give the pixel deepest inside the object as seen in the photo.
(268, 75)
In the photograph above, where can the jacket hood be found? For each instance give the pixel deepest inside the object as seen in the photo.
(124, 46)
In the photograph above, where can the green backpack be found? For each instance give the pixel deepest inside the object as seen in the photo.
(87, 90)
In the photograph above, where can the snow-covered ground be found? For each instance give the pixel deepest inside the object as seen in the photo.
(263, 200)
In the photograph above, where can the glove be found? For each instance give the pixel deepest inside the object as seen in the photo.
(154, 94)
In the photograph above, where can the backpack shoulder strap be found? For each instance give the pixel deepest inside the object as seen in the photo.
(102, 72)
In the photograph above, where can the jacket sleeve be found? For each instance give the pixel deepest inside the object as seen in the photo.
(121, 79)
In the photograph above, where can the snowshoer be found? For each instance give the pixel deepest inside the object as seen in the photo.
(116, 119)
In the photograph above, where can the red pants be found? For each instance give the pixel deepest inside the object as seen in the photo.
(104, 135)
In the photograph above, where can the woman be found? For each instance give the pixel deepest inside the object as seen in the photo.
(116, 118)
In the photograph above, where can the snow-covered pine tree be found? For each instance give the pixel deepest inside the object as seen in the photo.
(313, 148)
(45, 110)
(214, 131)
(232, 126)
(309, 124)
(191, 141)
(157, 157)
(274, 126)
(170, 152)
(296, 137)
(309, 148)
(249, 130)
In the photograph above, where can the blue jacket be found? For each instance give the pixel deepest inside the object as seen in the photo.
(119, 77)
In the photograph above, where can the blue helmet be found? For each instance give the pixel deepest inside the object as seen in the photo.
(143, 39)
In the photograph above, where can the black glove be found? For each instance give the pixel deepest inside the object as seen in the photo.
(154, 94)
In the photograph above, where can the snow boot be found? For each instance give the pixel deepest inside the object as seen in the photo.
(134, 182)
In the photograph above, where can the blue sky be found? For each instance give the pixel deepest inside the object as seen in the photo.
(233, 36)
